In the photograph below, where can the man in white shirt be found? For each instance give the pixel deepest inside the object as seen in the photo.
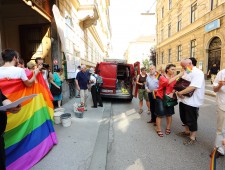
(8, 70)
(219, 88)
(189, 106)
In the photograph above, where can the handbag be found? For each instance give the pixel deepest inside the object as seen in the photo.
(168, 101)
(55, 91)
(182, 84)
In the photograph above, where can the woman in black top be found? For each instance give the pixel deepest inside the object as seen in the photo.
(142, 93)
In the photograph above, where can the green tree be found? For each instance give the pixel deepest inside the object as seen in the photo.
(152, 56)
(146, 64)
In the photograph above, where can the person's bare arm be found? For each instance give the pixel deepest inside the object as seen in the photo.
(30, 82)
(78, 87)
(51, 79)
(11, 110)
(175, 77)
(217, 88)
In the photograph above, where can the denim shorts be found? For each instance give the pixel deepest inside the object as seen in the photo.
(160, 110)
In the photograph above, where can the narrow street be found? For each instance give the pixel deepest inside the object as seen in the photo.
(135, 144)
(132, 143)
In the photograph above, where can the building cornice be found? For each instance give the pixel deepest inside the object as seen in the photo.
(76, 4)
(96, 37)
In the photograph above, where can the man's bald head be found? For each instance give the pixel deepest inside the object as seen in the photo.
(185, 62)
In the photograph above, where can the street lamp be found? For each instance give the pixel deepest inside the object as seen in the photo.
(147, 13)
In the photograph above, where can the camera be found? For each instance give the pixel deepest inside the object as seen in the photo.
(45, 65)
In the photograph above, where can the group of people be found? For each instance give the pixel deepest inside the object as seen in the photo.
(85, 79)
(153, 86)
(51, 79)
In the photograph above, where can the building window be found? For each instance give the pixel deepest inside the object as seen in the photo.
(179, 23)
(162, 12)
(193, 47)
(169, 56)
(161, 35)
(214, 4)
(170, 4)
(179, 51)
(169, 29)
(193, 12)
(162, 55)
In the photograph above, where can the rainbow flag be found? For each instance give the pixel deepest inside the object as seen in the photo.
(213, 160)
(30, 133)
(188, 69)
(157, 75)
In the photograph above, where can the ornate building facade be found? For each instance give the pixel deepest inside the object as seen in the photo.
(66, 33)
(191, 29)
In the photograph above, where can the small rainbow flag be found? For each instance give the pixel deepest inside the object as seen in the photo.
(29, 134)
(157, 75)
(188, 69)
(213, 160)
(153, 94)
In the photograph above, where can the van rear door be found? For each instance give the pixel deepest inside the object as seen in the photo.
(136, 73)
(108, 72)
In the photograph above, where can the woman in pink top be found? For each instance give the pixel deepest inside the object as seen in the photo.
(166, 83)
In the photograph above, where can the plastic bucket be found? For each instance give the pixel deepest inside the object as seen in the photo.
(57, 118)
(79, 114)
(59, 109)
(80, 109)
(66, 119)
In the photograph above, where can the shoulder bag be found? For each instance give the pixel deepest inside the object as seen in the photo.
(54, 90)
(168, 101)
(182, 84)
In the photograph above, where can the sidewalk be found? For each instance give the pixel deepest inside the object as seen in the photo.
(209, 88)
(76, 143)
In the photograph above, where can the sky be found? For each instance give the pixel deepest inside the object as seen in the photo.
(127, 23)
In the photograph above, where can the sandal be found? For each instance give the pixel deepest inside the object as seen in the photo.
(140, 111)
(189, 142)
(168, 131)
(159, 133)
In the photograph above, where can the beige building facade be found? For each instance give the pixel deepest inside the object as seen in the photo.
(191, 28)
(65, 33)
(139, 49)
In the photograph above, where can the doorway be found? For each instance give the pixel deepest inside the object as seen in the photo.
(214, 56)
(32, 40)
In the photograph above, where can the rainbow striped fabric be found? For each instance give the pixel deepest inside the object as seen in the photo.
(157, 75)
(188, 69)
(213, 160)
(30, 133)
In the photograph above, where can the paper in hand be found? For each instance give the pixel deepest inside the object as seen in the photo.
(17, 102)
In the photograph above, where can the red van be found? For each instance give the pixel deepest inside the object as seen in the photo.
(118, 79)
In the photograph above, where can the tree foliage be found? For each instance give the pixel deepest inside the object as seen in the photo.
(152, 56)
(146, 64)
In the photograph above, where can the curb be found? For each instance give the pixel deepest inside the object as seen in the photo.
(99, 157)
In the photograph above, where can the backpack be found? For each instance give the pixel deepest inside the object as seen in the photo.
(99, 80)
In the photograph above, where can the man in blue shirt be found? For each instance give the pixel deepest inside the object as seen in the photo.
(82, 82)
(150, 86)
